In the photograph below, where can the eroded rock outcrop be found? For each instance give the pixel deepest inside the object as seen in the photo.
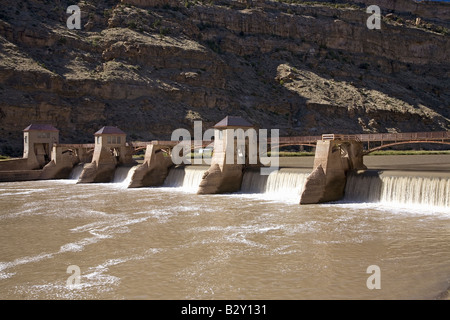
(148, 65)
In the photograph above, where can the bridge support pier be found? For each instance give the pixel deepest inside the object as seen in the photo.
(333, 159)
(60, 166)
(110, 151)
(229, 158)
(219, 178)
(153, 171)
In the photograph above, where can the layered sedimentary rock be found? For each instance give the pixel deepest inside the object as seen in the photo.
(150, 67)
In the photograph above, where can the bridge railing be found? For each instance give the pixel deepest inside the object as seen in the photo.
(300, 139)
(372, 137)
(332, 136)
(74, 146)
(408, 136)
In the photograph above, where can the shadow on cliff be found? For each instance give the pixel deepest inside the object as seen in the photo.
(420, 87)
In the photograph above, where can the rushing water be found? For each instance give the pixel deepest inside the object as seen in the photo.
(423, 191)
(76, 171)
(169, 243)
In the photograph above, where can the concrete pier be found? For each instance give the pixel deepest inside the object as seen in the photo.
(64, 158)
(110, 151)
(43, 157)
(38, 142)
(333, 159)
(226, 170)
(60, 166)
(19, 175)
(154, 170)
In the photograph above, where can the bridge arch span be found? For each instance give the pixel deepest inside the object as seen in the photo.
(403, 143)
(281, 145)
(136, 150)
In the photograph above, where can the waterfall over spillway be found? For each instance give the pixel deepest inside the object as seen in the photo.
(281, 184)
(76, 171)
(123, 175)
(402, 189)
(285, 183)
(186, 178)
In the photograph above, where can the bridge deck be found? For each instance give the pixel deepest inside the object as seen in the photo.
(375, 137)
(75, 146)
(407, 136)
(443, 136)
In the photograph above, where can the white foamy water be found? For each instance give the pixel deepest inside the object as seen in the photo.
(185, 178)
(282, 185)
(76, 171)
(123, 175)
(399, 190)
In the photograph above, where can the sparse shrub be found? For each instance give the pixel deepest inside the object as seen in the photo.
(107, 13)
(163, 31)
(62, 41)
(132, 24)
(364, 66)
(156, 23)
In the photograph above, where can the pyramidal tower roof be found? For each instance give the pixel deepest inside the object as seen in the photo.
(109, 130)
(233, 121)
(40, 127)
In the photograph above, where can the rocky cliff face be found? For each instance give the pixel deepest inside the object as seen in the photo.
(151, 66)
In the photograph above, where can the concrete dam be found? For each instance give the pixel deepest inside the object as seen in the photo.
(338, 172)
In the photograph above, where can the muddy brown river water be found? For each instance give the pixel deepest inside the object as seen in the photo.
(169, 243)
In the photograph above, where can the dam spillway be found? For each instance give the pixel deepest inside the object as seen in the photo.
(123, 175)
(76, 171)
(286, 184)
(399, 188)
(186, 178)
(110, 158)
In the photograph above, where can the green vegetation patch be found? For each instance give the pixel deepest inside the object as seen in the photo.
(407, 152)
(291, 154)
